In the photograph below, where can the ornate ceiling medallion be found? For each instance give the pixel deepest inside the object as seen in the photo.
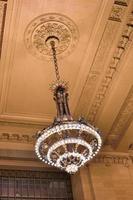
(43, 27)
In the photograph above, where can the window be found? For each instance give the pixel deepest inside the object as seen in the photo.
(24, 185)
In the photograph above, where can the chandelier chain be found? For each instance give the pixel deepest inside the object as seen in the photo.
(55, 60)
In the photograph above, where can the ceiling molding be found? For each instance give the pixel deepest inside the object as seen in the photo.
(89, 56)
(40, 120)
(101, 71)
(121, 2)
(17, 137)
(3, 8)
(122, 46)
(122, 121)
(22, 124)
(12, 19)
(118, 11)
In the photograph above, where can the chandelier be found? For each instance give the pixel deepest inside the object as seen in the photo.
(66, 144)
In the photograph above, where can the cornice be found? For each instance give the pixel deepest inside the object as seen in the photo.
(118, 10)
(17, 137)
(122, 46)
(105, 62)
(122, 121)
(112, 158)
(121, 2)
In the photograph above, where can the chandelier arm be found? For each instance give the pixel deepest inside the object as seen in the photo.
(55, 60)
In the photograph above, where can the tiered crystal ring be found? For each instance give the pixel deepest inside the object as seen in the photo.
(68, 145)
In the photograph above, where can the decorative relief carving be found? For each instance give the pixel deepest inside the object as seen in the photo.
(62, 28)
(97, 67)
(94, 77)
(121, 2)
(117, 13)
(22, 138)
(122, 121)
(124, 42)
(3, 6)
(118, 10)
(109, 159)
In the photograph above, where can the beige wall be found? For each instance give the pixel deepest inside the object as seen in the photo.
(100, 181)
(81, 186)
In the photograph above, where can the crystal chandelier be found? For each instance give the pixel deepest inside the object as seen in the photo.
(66, 144)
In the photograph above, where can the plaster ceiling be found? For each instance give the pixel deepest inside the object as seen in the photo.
(99, 71)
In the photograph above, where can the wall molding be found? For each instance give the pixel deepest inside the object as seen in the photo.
(112, 158)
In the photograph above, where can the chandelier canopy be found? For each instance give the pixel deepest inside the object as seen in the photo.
(66, 144)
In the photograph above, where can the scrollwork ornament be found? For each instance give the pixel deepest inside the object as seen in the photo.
(49, 25)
